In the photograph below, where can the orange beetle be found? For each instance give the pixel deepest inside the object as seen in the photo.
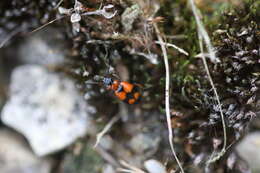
(124, 91)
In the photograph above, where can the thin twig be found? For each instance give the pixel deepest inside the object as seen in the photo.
(130, 168)
(175, 47)
(107, 156)
(46, 24)
(167, 99)
(203, 36)
(124, 170)
(222, 152)
(58, 4)
(106, 128)
(128, 171)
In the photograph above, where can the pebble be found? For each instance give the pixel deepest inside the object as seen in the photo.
(106, 142)
(143, 143)
(46, 108)
(154, 166)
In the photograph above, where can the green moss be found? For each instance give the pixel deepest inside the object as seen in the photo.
(87, 161)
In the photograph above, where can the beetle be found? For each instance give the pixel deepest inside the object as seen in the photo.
(124, 91)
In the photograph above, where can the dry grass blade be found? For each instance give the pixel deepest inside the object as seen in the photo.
(128, 171)
(106, 128)
(203, 36)
(46, 24)
(58, 4)
(107, 156)
(9, 37)
(167, 99)
(129, 168)
(175, 47)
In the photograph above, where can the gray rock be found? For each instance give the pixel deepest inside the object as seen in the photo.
(45, 108)
(249, 149)
(154, 166)
(16, 157)
(144, 143)
(45, 47)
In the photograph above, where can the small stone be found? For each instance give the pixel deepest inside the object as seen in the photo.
(106, 142)
(45, 108)
(248, 149)
(154, 166)
(16, 157)
(144, 143)
(249, 39)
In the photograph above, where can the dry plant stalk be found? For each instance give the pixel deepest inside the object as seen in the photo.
(167, 98)
(9, 37)
(129, 168)
(203, 37)
(107, 156)
(175, 47)
(106, 128)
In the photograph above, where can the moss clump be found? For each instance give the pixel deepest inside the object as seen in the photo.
(87, 160)
(237, 44)
(237, 81)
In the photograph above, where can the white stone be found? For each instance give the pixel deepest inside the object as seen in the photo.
(16, 157)
(46, 108)
(154, 166)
